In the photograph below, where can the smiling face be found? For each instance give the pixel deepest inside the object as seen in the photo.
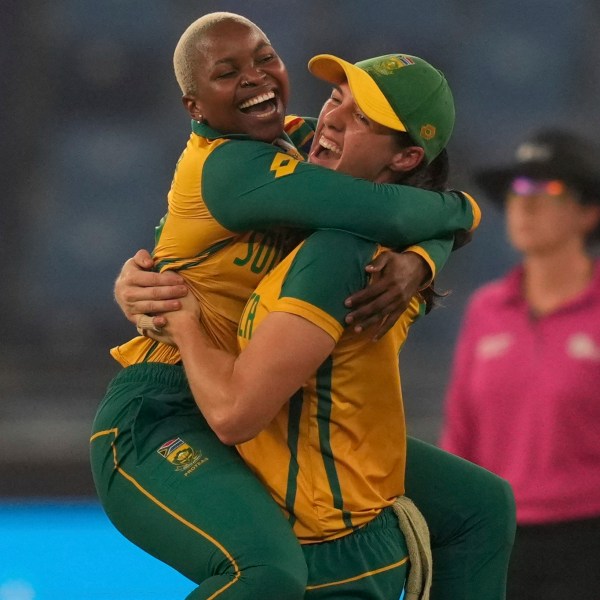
(347, 141)
(241, 84)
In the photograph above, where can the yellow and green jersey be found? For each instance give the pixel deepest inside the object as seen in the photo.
(232, 205)
(334, 456)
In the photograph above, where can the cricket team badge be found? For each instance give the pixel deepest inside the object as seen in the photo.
(182, 455)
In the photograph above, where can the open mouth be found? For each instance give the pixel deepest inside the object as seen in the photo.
(263, 105)
(327, 149)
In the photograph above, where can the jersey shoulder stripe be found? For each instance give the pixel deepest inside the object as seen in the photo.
(329, 267)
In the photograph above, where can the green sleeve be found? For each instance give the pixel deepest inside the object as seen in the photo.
(329, 267)
(438, 251)
(250, 185)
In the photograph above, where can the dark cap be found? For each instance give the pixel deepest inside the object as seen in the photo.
(548, 154)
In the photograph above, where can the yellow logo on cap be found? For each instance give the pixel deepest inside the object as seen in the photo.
(428, 131)
(388, 65)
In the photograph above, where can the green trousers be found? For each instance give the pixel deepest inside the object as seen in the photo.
(370, 563)
(471, 516)
(173, 489)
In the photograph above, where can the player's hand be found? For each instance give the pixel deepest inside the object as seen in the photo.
(138, 290)
(174, 322)
(395, 279)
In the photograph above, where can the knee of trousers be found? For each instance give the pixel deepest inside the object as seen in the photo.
(274, 583)
(497, 509)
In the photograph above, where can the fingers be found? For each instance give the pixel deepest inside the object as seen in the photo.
(386, 324)
(159, 321)
(379, 263)
(143, 259)
(369, 322)
(136, 300)
(138, 291)
(379, 305)
(133, 275)
(379, 314)
(140, 307)
(361, 297)
(158, 336)
(379, 291)
(380, 323)
(152, 327)
(377, 285)
(132, 292)
(144, 323)
(372, 306)
(383, 307)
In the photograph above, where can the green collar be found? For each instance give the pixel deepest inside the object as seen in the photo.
(212, 134)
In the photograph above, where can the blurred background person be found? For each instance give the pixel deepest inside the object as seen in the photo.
(523, 397)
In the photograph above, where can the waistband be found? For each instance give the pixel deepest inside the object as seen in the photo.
(163, 374)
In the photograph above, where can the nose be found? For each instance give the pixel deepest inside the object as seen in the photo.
(526, 203)
(334, 116)
(253, 76)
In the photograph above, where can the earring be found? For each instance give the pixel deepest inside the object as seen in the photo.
(198, 118)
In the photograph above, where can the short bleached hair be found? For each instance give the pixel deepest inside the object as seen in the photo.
(186, 52)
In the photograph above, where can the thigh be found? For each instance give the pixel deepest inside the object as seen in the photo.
(369, 564)
(171, 487)
(471, 517)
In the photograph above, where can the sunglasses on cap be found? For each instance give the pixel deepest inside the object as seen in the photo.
(525, 186)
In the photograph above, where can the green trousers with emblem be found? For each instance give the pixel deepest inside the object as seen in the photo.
(172, 488)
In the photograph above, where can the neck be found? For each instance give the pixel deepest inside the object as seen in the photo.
(553, 279)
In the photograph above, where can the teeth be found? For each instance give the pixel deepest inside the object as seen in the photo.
(329, 145)
(257, 100)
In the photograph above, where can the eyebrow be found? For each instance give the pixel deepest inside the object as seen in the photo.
(229, 60)
(337, 87)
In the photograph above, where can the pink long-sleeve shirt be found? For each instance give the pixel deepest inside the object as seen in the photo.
(524, 399)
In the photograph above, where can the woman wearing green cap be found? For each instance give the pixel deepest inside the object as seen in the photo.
(184, 460)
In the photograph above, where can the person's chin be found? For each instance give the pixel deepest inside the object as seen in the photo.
(264, 127)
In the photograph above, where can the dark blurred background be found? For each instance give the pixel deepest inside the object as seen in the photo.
(91, 127)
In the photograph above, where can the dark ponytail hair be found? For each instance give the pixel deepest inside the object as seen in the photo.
(431, 176)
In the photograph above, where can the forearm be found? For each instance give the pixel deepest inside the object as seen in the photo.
(305, 196)
(239, 396)
(211, 375)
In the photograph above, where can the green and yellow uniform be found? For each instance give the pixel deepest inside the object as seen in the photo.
(164, 479)
(232, 199)
(334, 456)
(333, 463)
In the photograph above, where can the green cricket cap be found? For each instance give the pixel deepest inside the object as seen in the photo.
(399, 91)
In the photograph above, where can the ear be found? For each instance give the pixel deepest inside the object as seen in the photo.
(407, 159)
(191, 105)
